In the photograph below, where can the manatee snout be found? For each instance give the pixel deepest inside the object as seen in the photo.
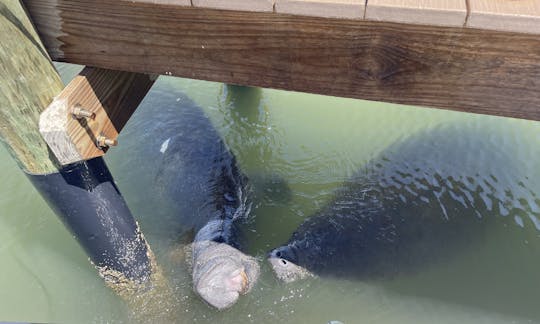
(284, 252)
(222, 273)
(283, 261)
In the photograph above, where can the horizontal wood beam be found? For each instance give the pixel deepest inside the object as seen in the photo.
(87, 116)
(465, 69)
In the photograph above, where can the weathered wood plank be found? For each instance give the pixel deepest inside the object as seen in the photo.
(110, 96)
(463, 69)
(171, 2)
(429, 12)
(519, 16)
(351, 9)
(243, 5)
(28, 83)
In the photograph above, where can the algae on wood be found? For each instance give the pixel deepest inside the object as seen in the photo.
(28, 83)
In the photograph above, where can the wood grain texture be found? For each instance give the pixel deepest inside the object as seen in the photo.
(351, 9)
(112, 95)
(171, 2)
(472, 70)
(429, 12)
(509, 15)
(28, 83)
(243, 5)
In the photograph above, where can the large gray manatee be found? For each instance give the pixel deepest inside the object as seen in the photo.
(421, 201)
(197, 177)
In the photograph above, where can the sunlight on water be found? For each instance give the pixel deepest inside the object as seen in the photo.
(299, 150)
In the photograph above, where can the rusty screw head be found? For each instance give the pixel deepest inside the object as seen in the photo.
(104, 142)
(79, 112)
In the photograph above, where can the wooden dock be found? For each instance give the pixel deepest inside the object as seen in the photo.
(480, 56)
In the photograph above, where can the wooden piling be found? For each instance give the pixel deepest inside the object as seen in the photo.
(28, 84)
(83, 195)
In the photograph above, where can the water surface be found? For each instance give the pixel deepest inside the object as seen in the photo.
(298, 150)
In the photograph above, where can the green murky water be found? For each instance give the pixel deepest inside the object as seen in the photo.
(297, 149)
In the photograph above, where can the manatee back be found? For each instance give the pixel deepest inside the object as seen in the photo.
(190, 173)
(197, 173)
(419, 203)
(369, 233)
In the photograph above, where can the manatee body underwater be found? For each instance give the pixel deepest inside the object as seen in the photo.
(419, 203)
(188, 162)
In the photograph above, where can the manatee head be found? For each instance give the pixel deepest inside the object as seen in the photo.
(283, 261)
(222, 273)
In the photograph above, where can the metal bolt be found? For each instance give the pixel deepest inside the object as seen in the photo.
(103, 141)
(79, 112)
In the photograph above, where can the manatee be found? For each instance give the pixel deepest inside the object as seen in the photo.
(417, 204)
(367, 233)
(198, 178)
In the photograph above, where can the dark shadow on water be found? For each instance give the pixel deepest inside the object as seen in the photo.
(251, 137)
(244, 104)
(271, 188)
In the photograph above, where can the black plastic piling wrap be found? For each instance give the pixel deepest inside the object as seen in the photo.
(89, 204)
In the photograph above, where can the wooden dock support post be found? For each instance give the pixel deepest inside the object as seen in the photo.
(245, 102)
(82, 194)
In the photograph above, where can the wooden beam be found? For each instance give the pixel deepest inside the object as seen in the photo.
(464, 69)
(87, 116)
(519, 16)
(429, 12)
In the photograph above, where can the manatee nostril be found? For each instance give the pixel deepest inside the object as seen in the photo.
(284, 262)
